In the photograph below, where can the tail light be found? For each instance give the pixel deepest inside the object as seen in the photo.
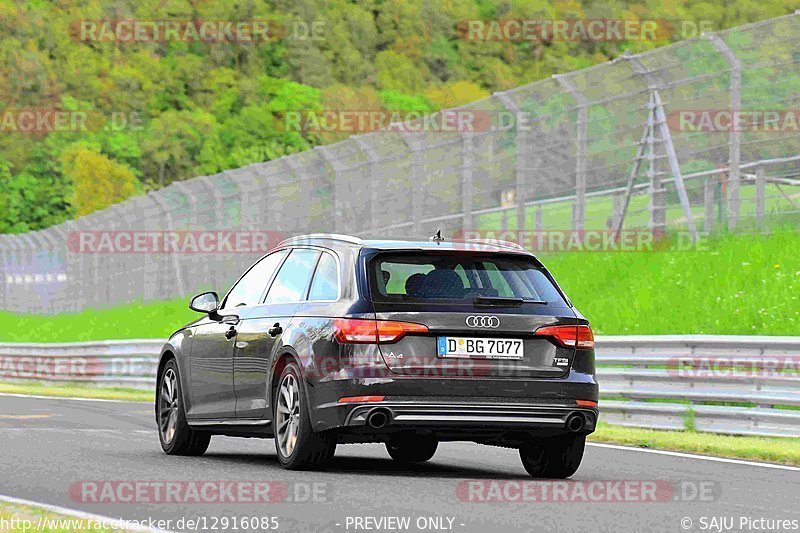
(580, 337)
(358, 330)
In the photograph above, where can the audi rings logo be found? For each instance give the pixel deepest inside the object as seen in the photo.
(476, 321)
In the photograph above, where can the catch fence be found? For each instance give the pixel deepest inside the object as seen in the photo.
(637, 143)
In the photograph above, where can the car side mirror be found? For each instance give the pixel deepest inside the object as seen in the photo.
(207, 302)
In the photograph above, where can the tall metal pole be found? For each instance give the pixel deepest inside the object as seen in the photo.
(734, 136)
(674, 166)
(579, 207)
(520, 182)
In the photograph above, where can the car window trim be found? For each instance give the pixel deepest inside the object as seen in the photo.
(338, 279)
(246, 272)
(311, 279)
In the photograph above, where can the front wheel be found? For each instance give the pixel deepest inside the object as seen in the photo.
(176, 437)
(412, 450)
(298, 446)
(553, 457)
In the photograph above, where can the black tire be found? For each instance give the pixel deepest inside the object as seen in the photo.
(553, 457)
(179, 439)
(412, 450)
(311, 450)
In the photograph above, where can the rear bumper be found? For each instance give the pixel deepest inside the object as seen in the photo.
(462, 407)
(410, 414)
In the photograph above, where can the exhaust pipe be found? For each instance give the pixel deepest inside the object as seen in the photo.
(379, 418)
(575, 422)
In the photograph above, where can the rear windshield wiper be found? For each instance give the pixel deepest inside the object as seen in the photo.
(500, 301)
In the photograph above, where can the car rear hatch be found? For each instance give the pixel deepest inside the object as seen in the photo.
(487, 315)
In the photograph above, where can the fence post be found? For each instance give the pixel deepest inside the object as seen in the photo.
(374, 192)
(734, 136)
(538, 227)
(4, 273)
(417, 172)
(761, 185)
(467, 149)
(338, 193)
(658, 210)
(616, 216)
(708, 204)
(520, 181)
(69, 302)
(579, 207)
(180, 287)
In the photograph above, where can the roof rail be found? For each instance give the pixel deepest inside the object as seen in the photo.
(322, 236)
(499, 243)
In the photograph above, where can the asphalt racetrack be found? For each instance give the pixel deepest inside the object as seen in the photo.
(103, 457)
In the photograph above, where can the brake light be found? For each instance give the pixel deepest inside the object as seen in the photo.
(358, 330)
(580, 337)
(582, 403)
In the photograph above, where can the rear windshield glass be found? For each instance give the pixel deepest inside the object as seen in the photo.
(458, 278)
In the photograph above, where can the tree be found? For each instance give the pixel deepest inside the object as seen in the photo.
(97, 181)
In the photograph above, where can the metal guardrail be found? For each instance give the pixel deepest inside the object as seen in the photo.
(742, 385)
(116, 363)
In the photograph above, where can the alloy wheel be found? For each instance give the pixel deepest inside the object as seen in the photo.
(288, 414)
(168, 406)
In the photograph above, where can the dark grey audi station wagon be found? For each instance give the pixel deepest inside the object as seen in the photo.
(331, 339)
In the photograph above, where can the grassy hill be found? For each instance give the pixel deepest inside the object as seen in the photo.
(739, 285)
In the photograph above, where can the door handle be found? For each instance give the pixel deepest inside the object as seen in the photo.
(275, 330)
(231, 333)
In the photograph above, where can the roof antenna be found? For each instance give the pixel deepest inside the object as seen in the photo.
(437, 237)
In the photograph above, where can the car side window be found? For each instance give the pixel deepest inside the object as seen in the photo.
(250, 288)
(294, 276)
(325, 285)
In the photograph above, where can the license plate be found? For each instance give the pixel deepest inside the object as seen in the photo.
(480, 348)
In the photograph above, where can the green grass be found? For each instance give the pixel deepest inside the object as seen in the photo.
(735, 285)
(133, 321)
(76, 390)
(769, 449)
(738, 285)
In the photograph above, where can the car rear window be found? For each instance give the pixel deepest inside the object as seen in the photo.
(458, 278)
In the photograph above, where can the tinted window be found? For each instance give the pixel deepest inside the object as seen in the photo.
(250, 288)
(458, 277)
(325, 285)
(292, 280)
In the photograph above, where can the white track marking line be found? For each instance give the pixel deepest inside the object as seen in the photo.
(82, 430)
(80, 514)
(596, 444)
(38, 397)
(695, 456)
